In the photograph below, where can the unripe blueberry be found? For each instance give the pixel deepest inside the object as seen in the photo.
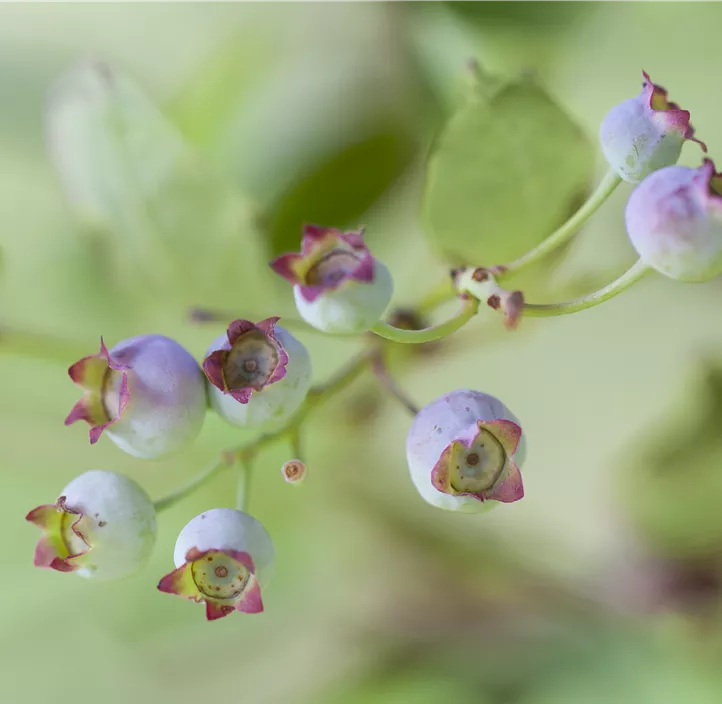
(259, 374)
(102, 526)
(674, 221)
(338, 285)
(464, 450)
(222, 557)
(147, 394)
(645, 133)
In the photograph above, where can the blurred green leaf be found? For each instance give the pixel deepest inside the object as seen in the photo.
(551, 16)
(503, 174)
(210, 99)
(130, 177)
(338, 189)
(673, 488)
(410, 686)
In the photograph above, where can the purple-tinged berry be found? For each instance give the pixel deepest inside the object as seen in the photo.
(102, 526)
(339, 287)
(645, 133)
(294, 471)
(464, 451)
(147, 394)
(222, 557)
(259, 374)
(674, 221)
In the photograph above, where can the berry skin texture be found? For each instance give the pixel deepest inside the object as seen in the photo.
(147, 395)
(222, 557)
(258, 374)
(102, 527)
(674, 221)
(645, 133)
(464, 451)
(338, 286)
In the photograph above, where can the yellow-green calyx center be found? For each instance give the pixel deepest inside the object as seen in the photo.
(477, 468)
(110, 393)
(331, 268)
(715, 185)
(219, 576)
(250, 362)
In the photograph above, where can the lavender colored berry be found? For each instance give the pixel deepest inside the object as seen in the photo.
(147, 395)
(674, 221)
(464, 451)
(645, 133)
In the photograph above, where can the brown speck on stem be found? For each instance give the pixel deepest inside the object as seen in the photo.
(493, 301)
(480, 274)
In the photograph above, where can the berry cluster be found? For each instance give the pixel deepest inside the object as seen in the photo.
(464, 450)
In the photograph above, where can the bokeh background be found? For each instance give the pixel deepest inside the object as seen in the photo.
(602, 585)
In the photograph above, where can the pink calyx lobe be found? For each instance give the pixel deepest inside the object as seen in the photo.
(62, 544)
(480, 463)
(224, 579)
(251, 359)
(107, 394)
(668, 112)
(327, 259)
(712, 181)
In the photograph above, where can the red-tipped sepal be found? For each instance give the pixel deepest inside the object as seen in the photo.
(645, 133)
(61, 544)
(224, 579)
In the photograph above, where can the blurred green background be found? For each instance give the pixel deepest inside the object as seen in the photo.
(602, 585)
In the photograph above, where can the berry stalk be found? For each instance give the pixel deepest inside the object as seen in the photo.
(430, 334)
(627, 279)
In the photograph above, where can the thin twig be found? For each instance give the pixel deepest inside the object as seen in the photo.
(381, 372)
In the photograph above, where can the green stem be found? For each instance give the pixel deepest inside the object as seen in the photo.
(566, 231)
(631, 276)
(435, 332)
(315, 398)
(243, 488)
(205, 476)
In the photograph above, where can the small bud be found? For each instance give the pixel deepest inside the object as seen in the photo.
(147, 394)
(259, 374)
(645, 133)
(338, 285)
(294, 471)
(222, 557)
(674, 221)
(464, 450)
(102, 526)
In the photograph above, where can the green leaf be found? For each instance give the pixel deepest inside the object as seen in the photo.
(503, 174)
(340, 186)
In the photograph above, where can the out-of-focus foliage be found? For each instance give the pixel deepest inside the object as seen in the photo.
(328, 111)
(161, 214)
(505, 172)
(539, 15)
(686, 450)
